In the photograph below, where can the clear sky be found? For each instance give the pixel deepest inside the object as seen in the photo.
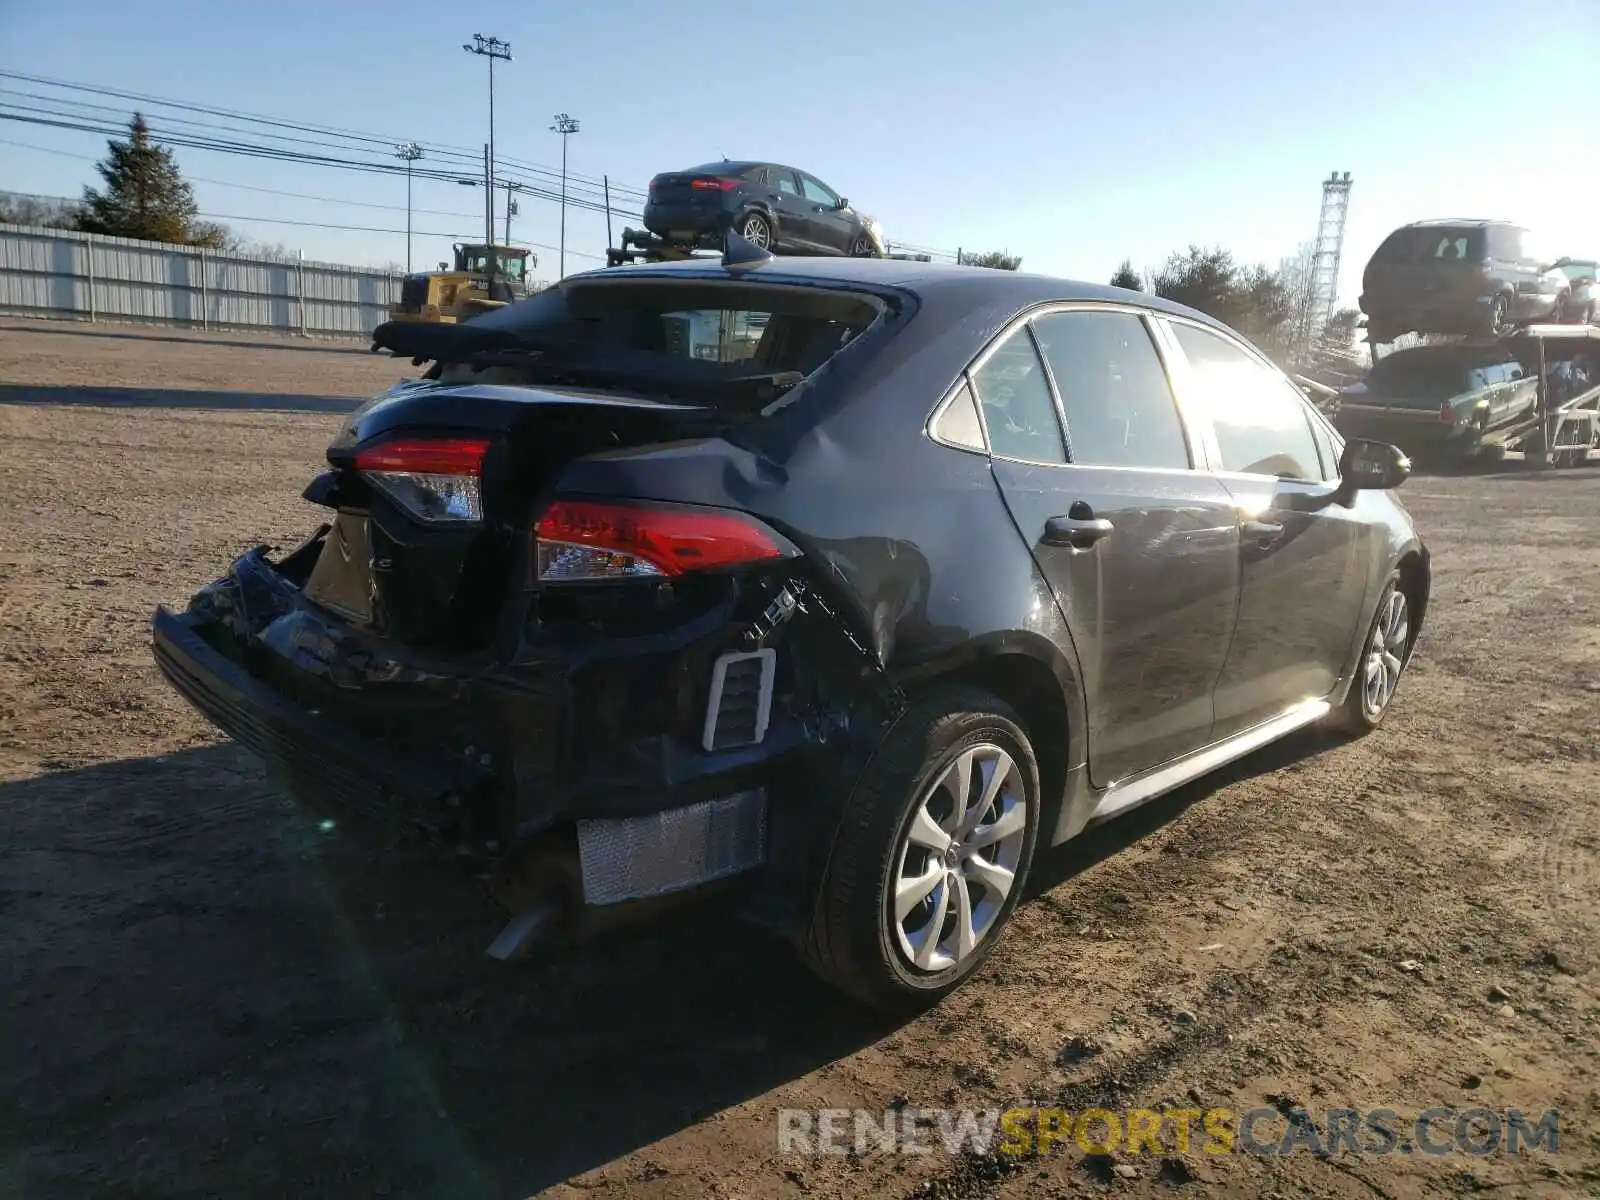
(1071, 133)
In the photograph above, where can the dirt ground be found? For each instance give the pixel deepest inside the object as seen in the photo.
(203, 997)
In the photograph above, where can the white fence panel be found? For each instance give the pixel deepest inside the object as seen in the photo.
(60, 273)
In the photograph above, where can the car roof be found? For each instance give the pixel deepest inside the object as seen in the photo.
(732, 164)
(1468, 222)
(936, 283)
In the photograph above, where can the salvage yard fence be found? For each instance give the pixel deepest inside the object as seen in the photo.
(90, 277)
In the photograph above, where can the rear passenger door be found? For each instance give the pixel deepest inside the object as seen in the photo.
(789, 206)
(1140, 549)
(1301, 559)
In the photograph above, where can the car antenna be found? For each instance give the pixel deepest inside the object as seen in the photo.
(740, 254)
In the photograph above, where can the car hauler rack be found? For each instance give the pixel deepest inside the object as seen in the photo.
(1564, 425)
(640, 245)
(1566, 421)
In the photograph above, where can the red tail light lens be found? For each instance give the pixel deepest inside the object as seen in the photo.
(1447, 413)
(584, 540)
(439, 481)
(714, 184)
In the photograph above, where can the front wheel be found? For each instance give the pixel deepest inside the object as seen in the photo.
(1384, 656)
(932, 854)
(863, 247)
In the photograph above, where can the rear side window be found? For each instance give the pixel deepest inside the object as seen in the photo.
(1432, 243)
(1119, 408)
(958, 424)
(1261, 421)
(783, 180)
(1505, 242)
(1018, 409)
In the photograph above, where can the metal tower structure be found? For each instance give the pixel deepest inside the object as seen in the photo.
(1330, 243)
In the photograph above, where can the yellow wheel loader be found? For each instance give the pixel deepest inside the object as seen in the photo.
(452, 295)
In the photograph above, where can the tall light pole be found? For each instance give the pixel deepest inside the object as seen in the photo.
(410, 152)
(565, 126)
(491, 48)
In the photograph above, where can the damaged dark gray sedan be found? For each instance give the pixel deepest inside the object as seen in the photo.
(837, 588)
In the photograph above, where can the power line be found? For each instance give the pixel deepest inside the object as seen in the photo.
(282, 154)
(376, 141)
(212, 216)
(471, 165)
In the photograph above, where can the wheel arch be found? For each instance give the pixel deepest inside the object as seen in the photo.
(1416, 580)
(1032, 675)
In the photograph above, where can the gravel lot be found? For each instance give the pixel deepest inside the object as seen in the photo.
(203, 998)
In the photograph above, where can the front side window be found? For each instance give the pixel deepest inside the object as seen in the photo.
(1018, 409)
(1260, 419)
(817, 192)
(1119, 408)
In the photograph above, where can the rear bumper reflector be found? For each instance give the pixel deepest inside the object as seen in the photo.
(638, 857)
(740, 705)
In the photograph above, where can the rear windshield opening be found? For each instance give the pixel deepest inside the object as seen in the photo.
(726, 343)
(1435, 243)
(737, 325)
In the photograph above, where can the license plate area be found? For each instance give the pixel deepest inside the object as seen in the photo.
(342, 581)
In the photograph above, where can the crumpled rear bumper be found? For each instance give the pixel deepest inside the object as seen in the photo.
(481, 759)
(314, 755)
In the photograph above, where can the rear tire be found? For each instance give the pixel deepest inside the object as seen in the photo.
(755, 229)
(887, 860)
(1500, 322)
(1385, 653)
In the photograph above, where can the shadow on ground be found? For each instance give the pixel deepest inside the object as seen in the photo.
(204, 995)
(139, 335)
(125, 397)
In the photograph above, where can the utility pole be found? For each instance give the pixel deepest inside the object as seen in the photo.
(491, 48)
(488, 218)
(565, 126)
(511, 208)
(410, 152)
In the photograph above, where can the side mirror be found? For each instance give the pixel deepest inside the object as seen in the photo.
(1367, 466)
(843, 204)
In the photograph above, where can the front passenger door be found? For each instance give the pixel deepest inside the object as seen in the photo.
(827, 225)
(790, 208)
(1302, 560)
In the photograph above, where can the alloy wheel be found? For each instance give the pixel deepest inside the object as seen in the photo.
(1386, 654)
(755, 232)
(957, 859)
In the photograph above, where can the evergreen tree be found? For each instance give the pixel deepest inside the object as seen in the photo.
(145, 196)
(1127, 277)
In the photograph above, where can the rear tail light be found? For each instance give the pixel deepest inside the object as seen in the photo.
(714, 184)
(438, 481)
(584, 540)
(1447, 413)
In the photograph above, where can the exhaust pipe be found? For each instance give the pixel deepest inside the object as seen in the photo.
(540, 884)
